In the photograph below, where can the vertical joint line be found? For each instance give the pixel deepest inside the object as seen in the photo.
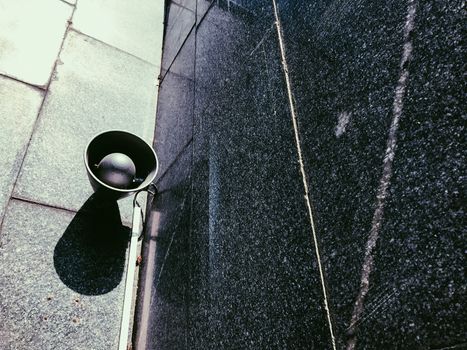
(302, 169)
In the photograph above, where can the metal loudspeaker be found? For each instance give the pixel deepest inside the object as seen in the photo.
(119, 163)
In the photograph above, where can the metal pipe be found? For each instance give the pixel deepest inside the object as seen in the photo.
(136, 230)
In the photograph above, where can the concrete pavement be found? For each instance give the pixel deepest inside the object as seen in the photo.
(68, 70)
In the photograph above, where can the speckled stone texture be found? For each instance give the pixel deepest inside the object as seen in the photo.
(63, 251)
(60, 278)
(95, 88)
(163, 308)
(420, 261)
(353, 56)
(343, 63)
(233, 259)
(176, 111)
(240, 269)
(18, 112)
(32, 33)
(180, 21)
(128, 26)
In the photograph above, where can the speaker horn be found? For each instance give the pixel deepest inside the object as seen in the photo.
(119, 163)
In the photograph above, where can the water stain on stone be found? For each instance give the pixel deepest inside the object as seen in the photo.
(343, 120)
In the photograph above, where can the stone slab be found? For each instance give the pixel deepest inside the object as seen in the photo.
(218, 43)
(180, 21)
(175, 114)
(19, 108)
(417, 290)
(32, 32)
(250, 232)
(202, 7)
(184, 62)
(61, 277)
(252, 263)
(252, 281)
(95, 88)
(134, 27)
(162, 308)
(189, 4)
(343, 64)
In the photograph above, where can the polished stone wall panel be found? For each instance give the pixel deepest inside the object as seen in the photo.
(245, 272)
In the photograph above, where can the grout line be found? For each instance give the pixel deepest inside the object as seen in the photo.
(302, 170)
(184, 7)
(150, 293)
(41, 88)
(32, 201)
(386, 176)
(178, 75)
(161, 78)
(177, 157)
(113, 47)
(68, 3)
(143, 297)
(198, 23)
(36, 122)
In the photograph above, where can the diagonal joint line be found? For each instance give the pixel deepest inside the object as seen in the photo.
(302, 170)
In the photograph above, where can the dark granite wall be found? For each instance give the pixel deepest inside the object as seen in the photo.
(378, 92)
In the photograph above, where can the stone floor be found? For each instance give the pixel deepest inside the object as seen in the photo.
(68, 70)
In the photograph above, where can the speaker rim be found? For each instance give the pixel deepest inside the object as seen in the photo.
(106, 186)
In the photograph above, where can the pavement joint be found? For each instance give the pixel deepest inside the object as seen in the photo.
(68, 3)
(31, 201)
(113, 47)
(44, 88)
(38, 87)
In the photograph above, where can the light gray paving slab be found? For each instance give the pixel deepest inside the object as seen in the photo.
(61, 287)
(95, 88)
(135, 27)
(30, 38)
(19, 106)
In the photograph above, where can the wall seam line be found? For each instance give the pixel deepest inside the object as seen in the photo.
(302, 170)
